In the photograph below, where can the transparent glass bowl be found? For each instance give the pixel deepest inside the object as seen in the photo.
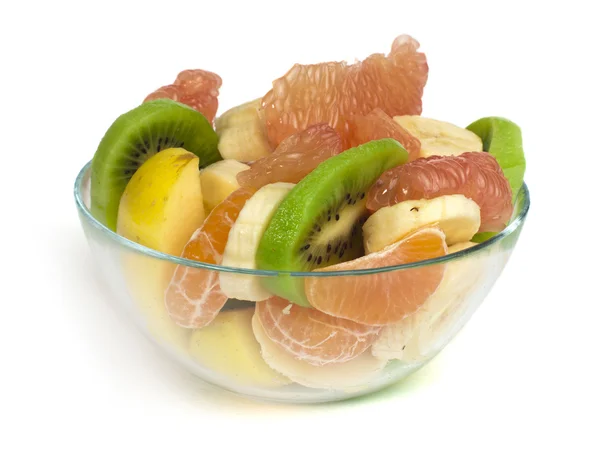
(227, 352)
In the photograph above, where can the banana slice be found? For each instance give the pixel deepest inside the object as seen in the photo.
(457, 216)
(241, 133)
(219, 181)
(243, 240)
(421, 334)
(227, 346)
(356, 373)
(440, 138)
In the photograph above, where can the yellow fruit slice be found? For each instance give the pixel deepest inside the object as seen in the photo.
(228, 346)
(162, 204)
(161, 208)
(219, 180)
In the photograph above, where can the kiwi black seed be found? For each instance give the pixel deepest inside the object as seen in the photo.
(135, 137)
(319, 223)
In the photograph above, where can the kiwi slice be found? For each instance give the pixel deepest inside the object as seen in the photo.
(502, 138)
(136, 136)
(319, 222)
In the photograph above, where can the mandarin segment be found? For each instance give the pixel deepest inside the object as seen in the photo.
(312, 336)
(199, 89)
(194, 297)
(332, 92)
(381, 298)
(294, 158)
(475, 175)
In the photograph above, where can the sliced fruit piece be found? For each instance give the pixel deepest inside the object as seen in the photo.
(219, 180)
(194, 298)
(475, 175)
(356, 373)
(228, 347)
(295, 157)
(456, 215)
(198, 89)
(242, 134)
(135, 137)
(502, 139)
(162, 204)
(332, 92)
(421, 334)
(381, 298)
(243, 240)
(440, 138)
(312, 336)
(319, 222)
(378, 125)
(160, 209)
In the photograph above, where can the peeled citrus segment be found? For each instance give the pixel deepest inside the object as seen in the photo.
(194, 297)
(438, 137)
(228, 347)
(381, 298)
(312, 336)
(378, 125)
(198, 89)
(427, 330)
(331, 92)
(456, 215)
(475, 175)
(295, 157)
(356, 373)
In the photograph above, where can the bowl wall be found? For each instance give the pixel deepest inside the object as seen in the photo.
(227, 352)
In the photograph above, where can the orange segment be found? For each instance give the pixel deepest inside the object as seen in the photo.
(312, 336)
(378, 125)
(382, 298)
(194, 297)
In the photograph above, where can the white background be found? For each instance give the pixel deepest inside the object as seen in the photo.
(521, 378)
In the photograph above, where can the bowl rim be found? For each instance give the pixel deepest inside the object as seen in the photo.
(518, 220)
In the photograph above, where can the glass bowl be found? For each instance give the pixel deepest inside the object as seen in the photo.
(235, 354)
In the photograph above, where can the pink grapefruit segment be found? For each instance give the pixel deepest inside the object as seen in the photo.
(198, 89)
(332, 92)
(378, 125)
(294, 158)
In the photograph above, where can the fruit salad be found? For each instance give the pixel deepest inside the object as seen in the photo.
(294, 210)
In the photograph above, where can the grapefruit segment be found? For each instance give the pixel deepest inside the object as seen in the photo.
(475, 175)
(198, 89)
(294, 158)
(378, 125)
(194, 297)
(331, 92)
(385, 297)
(312, 336)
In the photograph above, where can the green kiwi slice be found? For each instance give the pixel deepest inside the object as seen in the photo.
(319, 222)
(136, 136)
